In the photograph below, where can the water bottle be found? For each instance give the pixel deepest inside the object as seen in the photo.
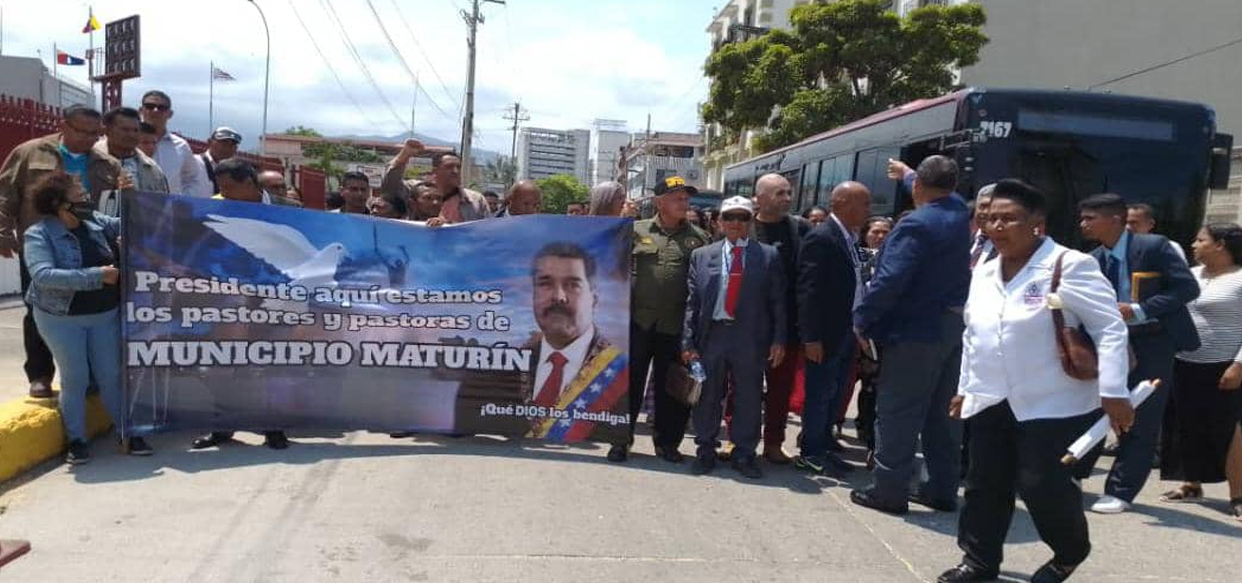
(696, 372)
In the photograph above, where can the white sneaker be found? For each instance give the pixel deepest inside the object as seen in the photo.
(1110, 505)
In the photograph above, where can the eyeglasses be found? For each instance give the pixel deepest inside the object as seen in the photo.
(156, 107)
(734, 218)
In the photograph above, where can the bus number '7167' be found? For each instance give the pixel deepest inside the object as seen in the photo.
(996, 129)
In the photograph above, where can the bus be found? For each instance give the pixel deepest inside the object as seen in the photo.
(1069, 144)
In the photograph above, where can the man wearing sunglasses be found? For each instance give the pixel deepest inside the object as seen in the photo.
(735, 323)
(70, 150)
(185, 174)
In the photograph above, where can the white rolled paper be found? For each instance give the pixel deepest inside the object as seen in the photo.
(1096, 434)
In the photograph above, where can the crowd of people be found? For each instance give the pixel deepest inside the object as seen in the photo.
(960, 326)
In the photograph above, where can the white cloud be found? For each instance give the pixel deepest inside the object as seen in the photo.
(568, 62)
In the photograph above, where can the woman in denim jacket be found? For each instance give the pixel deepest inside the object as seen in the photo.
(74, 292)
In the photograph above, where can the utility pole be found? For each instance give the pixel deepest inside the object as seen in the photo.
(646, 157)
(516, 117)
(473, 20)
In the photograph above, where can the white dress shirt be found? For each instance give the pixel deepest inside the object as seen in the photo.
(1009, 350)
(860, 289)
(574, 354)
(184, 172)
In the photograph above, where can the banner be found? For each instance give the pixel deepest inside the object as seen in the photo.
(243, 316)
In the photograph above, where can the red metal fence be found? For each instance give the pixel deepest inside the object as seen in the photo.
(26, 119)
(22, 120)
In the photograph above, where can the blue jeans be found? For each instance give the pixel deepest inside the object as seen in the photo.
(85, 346)
(825, 382)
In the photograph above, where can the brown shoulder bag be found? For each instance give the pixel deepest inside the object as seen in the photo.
(1078, 357)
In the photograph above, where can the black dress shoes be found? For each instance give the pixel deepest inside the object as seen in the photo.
(211, 440)
(669, 454)
(703, 464)
(1053, 573)
(941, 505)
(966, 574)
(868, 499)
(275, 439)
(618, 454)
(748, 468)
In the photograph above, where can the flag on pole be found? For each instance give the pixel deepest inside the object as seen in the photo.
(217, 73)
(64, 58)
(91, 25)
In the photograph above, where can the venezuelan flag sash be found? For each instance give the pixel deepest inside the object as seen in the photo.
(596, 389)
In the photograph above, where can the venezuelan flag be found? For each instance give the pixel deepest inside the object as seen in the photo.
(91, 25)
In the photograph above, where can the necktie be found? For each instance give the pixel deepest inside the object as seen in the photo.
(978, 252)
(552, 387)
(1112, 270)
(735, 281)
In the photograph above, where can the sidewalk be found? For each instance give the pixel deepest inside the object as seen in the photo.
(13, 384)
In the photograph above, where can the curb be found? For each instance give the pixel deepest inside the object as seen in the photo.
(31, 432)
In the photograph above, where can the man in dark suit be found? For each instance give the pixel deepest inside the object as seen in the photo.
(827, 288)
(1153, 286)
(913, 307)
(735, 320)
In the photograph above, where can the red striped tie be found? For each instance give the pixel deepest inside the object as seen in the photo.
(735, 282)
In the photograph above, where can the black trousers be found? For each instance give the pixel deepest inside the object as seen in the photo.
(1137, 447)
(39, 363)
(649, 348)
(1009, 457)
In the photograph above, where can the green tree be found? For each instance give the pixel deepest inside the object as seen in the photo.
(303, 131)
(560, 190)
(841, 61)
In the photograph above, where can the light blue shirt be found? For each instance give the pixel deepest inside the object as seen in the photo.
(726, 264)
(1119, 254)
(75, 164)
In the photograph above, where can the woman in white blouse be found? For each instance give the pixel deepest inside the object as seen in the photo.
(1204, 439)
(1022, 410)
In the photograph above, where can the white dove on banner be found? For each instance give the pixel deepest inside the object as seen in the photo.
(284, 248)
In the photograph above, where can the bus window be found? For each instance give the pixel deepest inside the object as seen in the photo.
(795, 178)
(827, 180)
(804, 194)
(872, 171)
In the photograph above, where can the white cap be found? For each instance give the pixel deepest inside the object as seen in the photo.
(737, 203)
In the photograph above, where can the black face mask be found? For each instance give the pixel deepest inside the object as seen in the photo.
(82, 210)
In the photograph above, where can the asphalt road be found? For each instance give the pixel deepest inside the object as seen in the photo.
(364, 507)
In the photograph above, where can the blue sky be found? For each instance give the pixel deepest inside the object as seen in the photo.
(567, 61)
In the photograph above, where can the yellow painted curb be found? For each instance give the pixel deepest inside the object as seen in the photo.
(31, 432)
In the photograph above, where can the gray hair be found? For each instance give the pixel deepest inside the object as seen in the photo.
(604, 196)
(986, 191)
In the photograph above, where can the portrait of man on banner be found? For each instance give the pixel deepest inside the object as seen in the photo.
(577, 385)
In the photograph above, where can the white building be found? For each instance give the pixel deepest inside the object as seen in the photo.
(608, 139)
(543, 152)
(29, 78)
(664, 154)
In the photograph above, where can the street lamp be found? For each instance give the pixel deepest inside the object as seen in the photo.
(267, 75)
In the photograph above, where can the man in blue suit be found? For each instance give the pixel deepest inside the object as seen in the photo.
(1153, 286)
(735, 322)
(913, 306)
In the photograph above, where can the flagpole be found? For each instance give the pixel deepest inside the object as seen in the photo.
(90, 73)
(55, 75)
(211, 95)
